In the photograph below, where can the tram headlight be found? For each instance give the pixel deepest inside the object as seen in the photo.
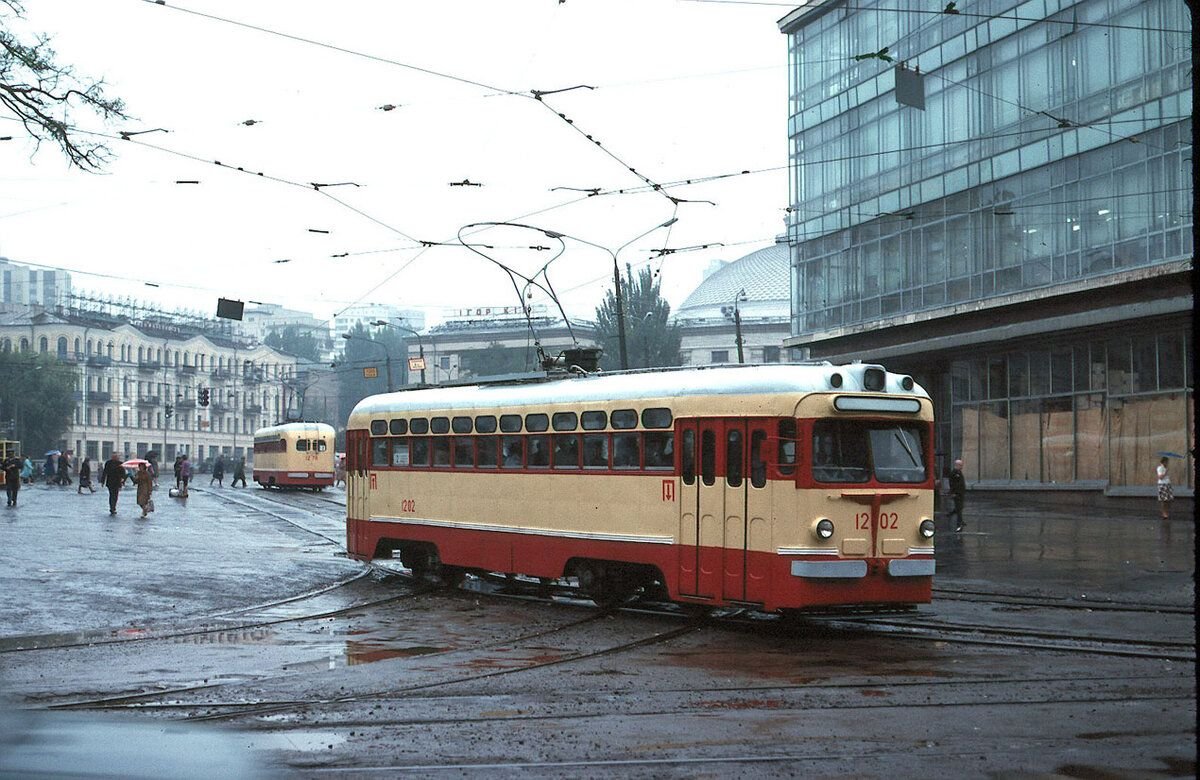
(927, 528)
(824, 528)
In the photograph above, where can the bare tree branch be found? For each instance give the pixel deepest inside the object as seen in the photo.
(44, 95)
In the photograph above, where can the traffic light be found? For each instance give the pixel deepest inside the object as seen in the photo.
(204, 396)
(169, 412)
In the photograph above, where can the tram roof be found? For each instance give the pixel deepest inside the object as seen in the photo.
(665, 383)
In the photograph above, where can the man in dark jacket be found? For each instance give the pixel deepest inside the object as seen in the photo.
(958, 494)
(112, 477)
(12, 478)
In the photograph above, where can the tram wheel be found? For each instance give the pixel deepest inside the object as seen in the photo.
(606, 585)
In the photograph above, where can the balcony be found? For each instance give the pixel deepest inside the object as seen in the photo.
(186, 370)
(185, 403)
(99, 361)
(149, 400)
(149, 365)
(221, 373)
(219, 408)
(252, 377)
(99, 396)
(254, 408)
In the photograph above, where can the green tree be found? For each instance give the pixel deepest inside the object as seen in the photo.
(37, 394)
(295, 341)
(651, 339)
(45, 95)
(358, 354)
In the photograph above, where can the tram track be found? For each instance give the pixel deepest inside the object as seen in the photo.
(1052, 602)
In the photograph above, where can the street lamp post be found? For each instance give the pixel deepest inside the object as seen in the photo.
(387, 352)
(735, 313)
(420, 343)
(617, 281)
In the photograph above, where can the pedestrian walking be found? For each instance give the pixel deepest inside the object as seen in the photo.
(239, 473)
(152, 457)
(339, 471)
(85, 476)
(112, 477)
(64, 470)
(12, 478)
(1165, 493)
(178, 460)
(27, 471)
(958, 494)
(185, 475)
(50, 467)
(218, 472)
(144, 481)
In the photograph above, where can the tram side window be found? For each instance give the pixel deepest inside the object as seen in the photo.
(733, 458)
(566, 451)
(539, 451)
(594, 421)
(708, 457)
(461, 425)
(510, 423)
(536, 423)
(565, 421)
(487, 448)
(441, 451)
(398, 426)
(400, 452)
(418, 425)
(485, 423)
(301, 445)
(627, 450)
(514, 450)
(656, 417)
(688, 457)
(758, 463)
(440, 425)
(660, 450)
(595, 449)
(786, 457)
(624, 418)
(464, 452)
(379, 427)
(420, 452)
(379, 452)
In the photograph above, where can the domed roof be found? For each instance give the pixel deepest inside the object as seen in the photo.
(763, 274)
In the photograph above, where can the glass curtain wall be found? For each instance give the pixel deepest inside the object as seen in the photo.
(1086, 412)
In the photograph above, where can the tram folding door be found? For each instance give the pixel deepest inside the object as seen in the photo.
(724, 510)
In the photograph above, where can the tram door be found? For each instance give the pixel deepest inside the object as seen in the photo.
(747, 505)
(701, 508)
(358, 457)
(723, 509)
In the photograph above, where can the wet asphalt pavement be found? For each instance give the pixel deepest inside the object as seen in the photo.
(182, 617)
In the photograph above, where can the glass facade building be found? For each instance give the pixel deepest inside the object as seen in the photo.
(1023, 243)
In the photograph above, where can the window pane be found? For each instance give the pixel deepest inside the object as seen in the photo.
(627, 451)
(1145, 364)
(486, 424)
(398, 427)
(660, 450)
(1119, 367)
(566, 451)
(688, 457)
(461, 425)
(379, 427)
(658, 417)
(839, 452)
(301, 445)
(1170, 361)
(514, 449)
(708, 457)
(441, 452)
(787, 447)
(624, 418)
(510, 423)
(897, 453)
(486, 449)
(440, 425)
(418, 425)
(758, 461)
(420, 452)
(1060, 371)
(536, 423)
(594, 421)
(539, 452)
(400, 452)
(595, 450)
(733, 458)
(379, 452)
(464, 452)
(565, 421)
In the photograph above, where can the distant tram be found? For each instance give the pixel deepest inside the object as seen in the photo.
(294, 455)
(784, 487)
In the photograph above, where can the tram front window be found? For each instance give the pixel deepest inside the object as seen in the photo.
(854, 451)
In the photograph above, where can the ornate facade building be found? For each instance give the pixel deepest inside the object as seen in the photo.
(141, 385)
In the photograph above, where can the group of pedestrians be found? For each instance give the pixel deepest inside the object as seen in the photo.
(218, 472)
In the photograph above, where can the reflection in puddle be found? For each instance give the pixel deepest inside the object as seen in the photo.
(307, 741)
(370, 652)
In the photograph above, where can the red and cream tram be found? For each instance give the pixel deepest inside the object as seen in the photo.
(778, 487)
(294, 455)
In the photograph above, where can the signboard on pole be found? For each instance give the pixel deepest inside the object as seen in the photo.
(370, 372)
(416, 364)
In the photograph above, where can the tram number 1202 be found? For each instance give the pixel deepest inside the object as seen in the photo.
(887, 521)
(408, 505)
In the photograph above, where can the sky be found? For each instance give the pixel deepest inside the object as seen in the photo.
(293, 90)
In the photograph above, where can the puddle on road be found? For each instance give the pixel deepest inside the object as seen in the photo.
(304, 741)
(369, 652)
